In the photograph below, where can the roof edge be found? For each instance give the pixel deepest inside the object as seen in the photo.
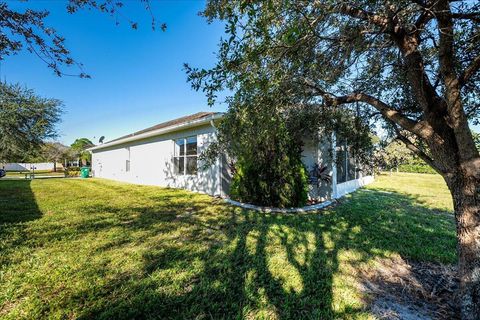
(173, 128)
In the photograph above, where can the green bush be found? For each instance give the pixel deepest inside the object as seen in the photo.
(72, 172)
(284, 185)
(416, 168)
(268, 169)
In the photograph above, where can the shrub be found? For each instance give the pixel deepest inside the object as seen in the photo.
(397, 156)
(72, 172)
(283, 185)
(268, 169)
(416, 168)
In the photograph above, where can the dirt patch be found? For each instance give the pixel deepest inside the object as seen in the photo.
(407, 290)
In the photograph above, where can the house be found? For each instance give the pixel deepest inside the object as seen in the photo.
(167, 155)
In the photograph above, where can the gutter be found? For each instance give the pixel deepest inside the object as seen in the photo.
(181, 126)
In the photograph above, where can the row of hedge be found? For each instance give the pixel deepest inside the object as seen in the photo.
(72, 173)
(416, 168)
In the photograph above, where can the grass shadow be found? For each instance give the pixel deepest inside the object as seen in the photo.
(17, 202)
(253, 276)
(172, 256)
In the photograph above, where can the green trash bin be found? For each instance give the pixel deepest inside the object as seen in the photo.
(84, 172)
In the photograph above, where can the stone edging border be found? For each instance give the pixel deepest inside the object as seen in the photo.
(313, 207)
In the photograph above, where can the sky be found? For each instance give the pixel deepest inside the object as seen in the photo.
(137, 75)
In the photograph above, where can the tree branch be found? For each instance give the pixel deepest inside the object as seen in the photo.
(421, 128)
(361, 14)
(470, 70)
(446, 52)
(474, 16)
(423, 19)
(412, 147)
(421, 3)
(452, 96)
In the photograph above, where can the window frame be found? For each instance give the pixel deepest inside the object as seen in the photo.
(128, 163)
(348, 163)
(185, 156)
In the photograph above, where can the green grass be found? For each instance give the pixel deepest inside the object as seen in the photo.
(38, 173)
(93, 248)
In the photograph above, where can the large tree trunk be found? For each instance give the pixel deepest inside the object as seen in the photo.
(465, 189)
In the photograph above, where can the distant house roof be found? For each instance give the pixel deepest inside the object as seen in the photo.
(164, 127)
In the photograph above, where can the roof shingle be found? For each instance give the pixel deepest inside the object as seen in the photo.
(192, 117)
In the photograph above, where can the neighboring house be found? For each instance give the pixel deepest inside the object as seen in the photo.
(167, 155)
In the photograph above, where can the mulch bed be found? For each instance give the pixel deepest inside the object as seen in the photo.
(402, 289)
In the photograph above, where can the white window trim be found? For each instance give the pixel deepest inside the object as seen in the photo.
(185, 156)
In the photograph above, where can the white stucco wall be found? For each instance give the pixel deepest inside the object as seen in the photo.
(151, 162)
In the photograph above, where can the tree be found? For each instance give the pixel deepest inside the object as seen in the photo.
(394, 154)
(265, 157)
(410, 63)
(79, 147)
(476, 138)
(391, 155)
(26, 120)
(54, 152)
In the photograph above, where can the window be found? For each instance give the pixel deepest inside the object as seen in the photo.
(127, 162)
(185, 156)
(341, 162)
(346, 164)
(351, 166)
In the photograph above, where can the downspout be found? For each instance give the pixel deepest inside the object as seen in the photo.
(91, 164)
(220, 164)
(334, 165)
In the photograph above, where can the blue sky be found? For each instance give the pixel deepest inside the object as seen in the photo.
(137, 77)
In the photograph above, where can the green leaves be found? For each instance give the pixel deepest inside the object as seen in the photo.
(26, 119)
(78, 149)
(342, 49)
(264, 155)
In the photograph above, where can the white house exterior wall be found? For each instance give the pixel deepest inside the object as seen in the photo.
(151, 162)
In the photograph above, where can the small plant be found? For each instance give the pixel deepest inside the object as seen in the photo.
(72, 172)
(319, 174)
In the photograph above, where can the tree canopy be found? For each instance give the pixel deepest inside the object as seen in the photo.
(385, 57)
(411, 64)
(54, 152)
(476, 138)
(26, 120)
(78, 149)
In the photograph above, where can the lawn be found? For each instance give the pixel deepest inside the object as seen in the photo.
(72, 248)
(38, 173)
